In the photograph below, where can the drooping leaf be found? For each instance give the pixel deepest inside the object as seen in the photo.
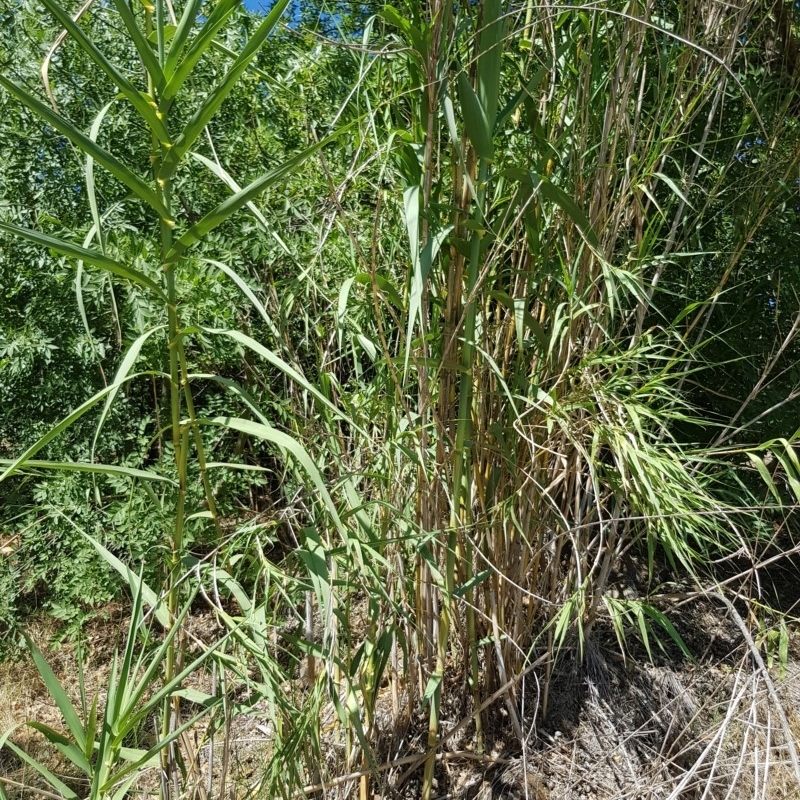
(64, 745)
(15, 464)
(558, 196)
(82, 254)
(123, 371)
(134, 581)
(295, 449)
(248, 293)
(758, 463)
(59, 785)
(91, 190)
(283, 366)
(228, 180)
(119, 170)
(98, 469)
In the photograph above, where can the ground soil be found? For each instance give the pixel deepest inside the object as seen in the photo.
(617, 725)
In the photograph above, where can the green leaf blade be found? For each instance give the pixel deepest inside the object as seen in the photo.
(137, 99)
(84, 143)
(82, 254)
(204, 114)
(58, 693)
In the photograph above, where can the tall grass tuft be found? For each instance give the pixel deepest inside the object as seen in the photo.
(171, 121)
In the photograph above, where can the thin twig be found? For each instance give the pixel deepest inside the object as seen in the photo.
(42, 792)
(756, 653)
(59, 40)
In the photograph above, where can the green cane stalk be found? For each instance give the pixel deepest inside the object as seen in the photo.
(479, 107)
(154, 22)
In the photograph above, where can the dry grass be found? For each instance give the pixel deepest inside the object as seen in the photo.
(617, 728)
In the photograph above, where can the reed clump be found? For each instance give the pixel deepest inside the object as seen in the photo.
(464, 380)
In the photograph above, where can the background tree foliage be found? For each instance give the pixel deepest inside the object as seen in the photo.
(64, 334)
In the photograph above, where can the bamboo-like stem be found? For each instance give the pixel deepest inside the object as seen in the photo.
(178, 379)
(461, 489)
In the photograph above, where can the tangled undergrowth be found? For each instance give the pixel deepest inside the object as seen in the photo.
(620, 723)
